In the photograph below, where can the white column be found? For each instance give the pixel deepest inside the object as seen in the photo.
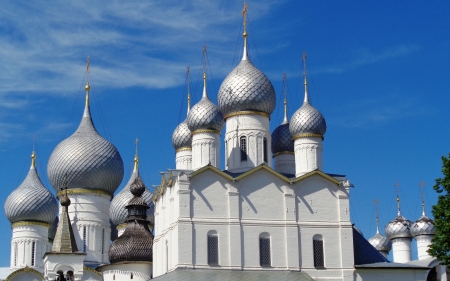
(183, 159)
(284, 163)
(308, 155)
(401, 250)
(254, 126)
(423, 244)
(24, 234)
(205, 149)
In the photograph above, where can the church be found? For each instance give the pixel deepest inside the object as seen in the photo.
(272, 213)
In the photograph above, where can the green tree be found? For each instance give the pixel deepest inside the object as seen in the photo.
(440, 247)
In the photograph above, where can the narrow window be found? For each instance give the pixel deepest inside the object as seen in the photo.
(16, 251)
(213, 249)
(265, 150)
(84, 239)
(103, 241)
(131, 277)
(33, 250)
(318, 251)
(167, 256)
(264, 251)
(243, 149)
(114, 276)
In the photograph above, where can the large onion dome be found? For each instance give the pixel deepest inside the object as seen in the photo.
(307, 120)
(380, 242)
(205, 115)
(136, 243)
(31, 201)
(117, 212)
(85, 160)
(423, 226)
(182, 137)
(398, 228)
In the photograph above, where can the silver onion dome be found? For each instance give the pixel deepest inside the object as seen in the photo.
(423, 226)
(182, 137)
(31, 201)
(204, 115)
(307, 120)
(380, 243)
(398, 228)
(282, 140)
(246, 88)
(85, 160)
(118, 213)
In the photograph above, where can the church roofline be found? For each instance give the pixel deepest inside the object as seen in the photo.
(25, 269)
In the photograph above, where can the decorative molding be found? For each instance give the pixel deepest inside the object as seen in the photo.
(92, 270)
(29, 223)
(307, 136)
(246, 113)
(283, 152)
(316, 172)
(183, 149)
(205, 131)
(83, 191)
(25, 269)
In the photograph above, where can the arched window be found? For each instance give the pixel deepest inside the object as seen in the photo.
(265, 150)
(33, 253)
(318, 251)
(114, 276)
(16, 251)
(84, 239)
(131, 276)
(264, 249)
(213, 248)
(103, 241)
(243, 145)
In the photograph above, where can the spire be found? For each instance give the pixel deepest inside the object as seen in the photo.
(285, 120)
(188, 78)
(305, 81)
(64, 241)
(136, 158)
(376, 214)
(422, 187)
(33, 160)
(205, 93)
(398, 199)
(245, 34)
(87, 88)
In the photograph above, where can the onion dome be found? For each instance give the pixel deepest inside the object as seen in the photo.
(117, 211)
(205, 115)
(136, 242)
(380, 242)
(424, 225)
(85, 160)
(281, 137)
(398, 228)
(307, 121)
(52, 229)
(182, 137)
(31, 201)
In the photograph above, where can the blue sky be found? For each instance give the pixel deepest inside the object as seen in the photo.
(378, 72)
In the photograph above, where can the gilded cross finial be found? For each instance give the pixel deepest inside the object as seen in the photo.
(88, 87)
(285, 120)
(33, 159)
(398, 197)
(244, 15)
(422, 189)
(188, 78)
(305, 81)
(376, 213)
(136, 157)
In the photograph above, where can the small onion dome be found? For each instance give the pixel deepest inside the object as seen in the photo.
(246, 88)
(282, 140)
(205, 115)
(31, 201)
(307, 120)
(52, 229)
(380, 243)
(182, 137)
(85, 160)
(118, 213)
(398, 228)
(423, 226)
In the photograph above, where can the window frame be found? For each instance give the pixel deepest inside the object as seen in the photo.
(318, 252)
(213, 261)
(265, 251)
(243, 146)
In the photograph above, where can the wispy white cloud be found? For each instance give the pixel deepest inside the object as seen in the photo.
(366, 57)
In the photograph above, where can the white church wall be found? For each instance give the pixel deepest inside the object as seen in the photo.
(129, 271)
(387, 274)
(23, 237)
(209, 196)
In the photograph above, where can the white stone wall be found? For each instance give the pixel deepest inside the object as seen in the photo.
(255, 128)
(388, 274)
(183, 160)
(284, 163)
(64, 262)
(423, 244)
(23, 237)
(91, 211)
(261, 203)
(308, 155)
(129, 271)
(401, 250)
(205, 150)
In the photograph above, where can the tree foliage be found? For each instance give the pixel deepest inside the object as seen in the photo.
(440, 247)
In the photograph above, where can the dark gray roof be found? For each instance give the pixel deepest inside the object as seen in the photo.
(364, 252)
(223, 275)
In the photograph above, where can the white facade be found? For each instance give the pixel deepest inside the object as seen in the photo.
(205, 148)
(254, 129)
(423, 244)
(183, 158)
(128, 271)
(308, 154)
(284, 163)
(89, 214)
(401, 250)
(28, 244)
